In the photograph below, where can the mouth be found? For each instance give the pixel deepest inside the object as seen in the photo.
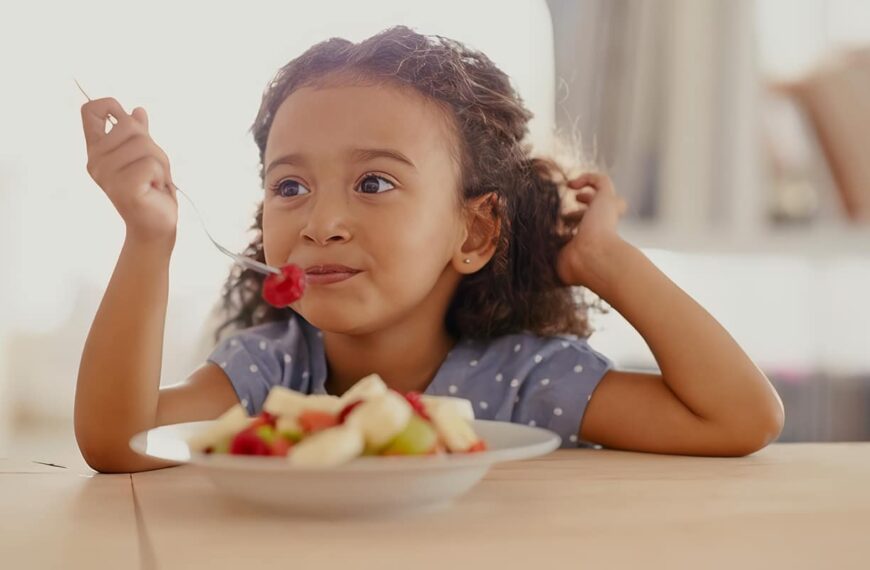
(327, 274)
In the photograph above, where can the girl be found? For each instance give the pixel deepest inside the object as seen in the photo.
(438, 255)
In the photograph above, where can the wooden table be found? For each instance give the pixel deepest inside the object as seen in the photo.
(788, 506)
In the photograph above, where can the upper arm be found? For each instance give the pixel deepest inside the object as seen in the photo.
(639, 412)
(204, 395)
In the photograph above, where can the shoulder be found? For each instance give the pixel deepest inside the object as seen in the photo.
(527, 353)
(542, 381)
(262, 356)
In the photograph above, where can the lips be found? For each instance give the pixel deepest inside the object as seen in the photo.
(329, 268)
(328, 274)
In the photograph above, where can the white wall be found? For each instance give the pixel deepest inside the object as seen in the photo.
(791, 313)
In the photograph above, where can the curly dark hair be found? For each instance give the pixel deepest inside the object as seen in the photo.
(519, 289)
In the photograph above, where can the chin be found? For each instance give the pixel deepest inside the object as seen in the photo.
(335, 317)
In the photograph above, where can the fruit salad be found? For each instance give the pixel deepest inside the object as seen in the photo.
(285, 289)
(325, 431)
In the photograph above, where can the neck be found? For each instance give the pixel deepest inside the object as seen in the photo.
(407, 354)
(406, 357)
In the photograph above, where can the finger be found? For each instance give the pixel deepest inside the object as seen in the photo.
(119, 136)
(94, 115)
(575, 215)
(116, 159)
(594, 179)
(140, 115)
(145, 167)
(586, 194)
(140, 147)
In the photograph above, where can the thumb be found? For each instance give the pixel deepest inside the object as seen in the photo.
(140, 115)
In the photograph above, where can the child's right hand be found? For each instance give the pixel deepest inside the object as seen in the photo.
(132, 170)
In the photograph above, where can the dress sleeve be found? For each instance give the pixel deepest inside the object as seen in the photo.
(253, 362)
(557, 389)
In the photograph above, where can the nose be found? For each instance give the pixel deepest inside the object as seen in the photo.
(327, 220)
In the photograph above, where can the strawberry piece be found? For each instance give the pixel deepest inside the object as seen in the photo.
(272, 419)
(342, 415)
(281, 446)
(417, 404)
(282, 290)
(479, 446)
(312, 421)
(264, 419)
(247, 442)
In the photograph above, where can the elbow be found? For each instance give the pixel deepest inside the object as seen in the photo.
(757, 432)
(108, 462)
(112, 457)
(100, 459)
(98, 462)
(100, 454)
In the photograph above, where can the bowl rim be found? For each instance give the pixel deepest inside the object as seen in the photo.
(542, 441)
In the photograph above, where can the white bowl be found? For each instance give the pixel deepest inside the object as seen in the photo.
(365, 486)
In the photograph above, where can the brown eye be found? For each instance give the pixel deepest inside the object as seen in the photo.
(289, 189)
(372, 184)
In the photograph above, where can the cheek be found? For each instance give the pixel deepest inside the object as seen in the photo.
(416, 246)
(276, 237)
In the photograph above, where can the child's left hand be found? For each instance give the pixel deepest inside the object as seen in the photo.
(600, 208)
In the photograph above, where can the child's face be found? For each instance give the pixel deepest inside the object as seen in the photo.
(399, 223)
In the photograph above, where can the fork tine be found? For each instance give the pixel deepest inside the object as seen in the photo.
(112, 119)
(82, 90)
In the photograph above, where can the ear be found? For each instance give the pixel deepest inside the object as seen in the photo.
(482, 230)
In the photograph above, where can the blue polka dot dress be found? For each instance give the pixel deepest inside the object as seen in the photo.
(520, 378)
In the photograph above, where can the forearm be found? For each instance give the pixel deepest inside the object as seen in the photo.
(119, 374)
(699, 360)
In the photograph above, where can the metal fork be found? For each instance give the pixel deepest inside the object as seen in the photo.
(239, 259)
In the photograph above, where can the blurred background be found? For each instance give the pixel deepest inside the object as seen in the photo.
(736, 129)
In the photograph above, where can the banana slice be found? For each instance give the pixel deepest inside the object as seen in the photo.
(455, 431)
(323, 403)
(460, 406)
(282, 401)
(381, 418)
(227, 425)
(328, 448)
(369, 387)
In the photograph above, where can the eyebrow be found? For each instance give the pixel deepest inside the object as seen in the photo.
(359, 155)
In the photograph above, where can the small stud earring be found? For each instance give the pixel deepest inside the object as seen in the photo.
(466, 260)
